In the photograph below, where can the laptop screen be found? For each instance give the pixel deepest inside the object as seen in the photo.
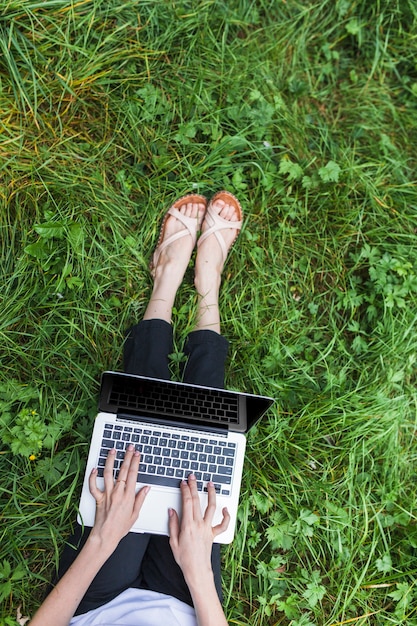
(170, 400)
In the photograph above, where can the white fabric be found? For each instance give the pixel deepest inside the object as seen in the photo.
(139, 607)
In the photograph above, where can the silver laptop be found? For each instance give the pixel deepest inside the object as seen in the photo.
(179, 429)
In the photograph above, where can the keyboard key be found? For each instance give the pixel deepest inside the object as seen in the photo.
(219, 478)
(224, 469)
(107, 443)
(229, 452)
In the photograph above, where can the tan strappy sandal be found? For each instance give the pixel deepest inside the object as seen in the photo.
(191, 226)
(216, 223)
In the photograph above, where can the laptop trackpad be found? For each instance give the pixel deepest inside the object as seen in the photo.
(153, 517)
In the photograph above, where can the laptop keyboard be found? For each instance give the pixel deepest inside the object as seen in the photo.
(169, 457)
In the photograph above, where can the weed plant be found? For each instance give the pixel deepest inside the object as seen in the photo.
(307, 110)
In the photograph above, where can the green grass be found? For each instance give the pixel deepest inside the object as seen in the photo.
(307, 111)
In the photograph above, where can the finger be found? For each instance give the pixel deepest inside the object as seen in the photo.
(108, 470)
(220, 528)
(92, 483)
(139, 500)
(187, 503)
(211, 503)
(192, 483)
(174, 528)
(124, 468)
(132, 473)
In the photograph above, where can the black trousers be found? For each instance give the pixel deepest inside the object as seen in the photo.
(142, 560)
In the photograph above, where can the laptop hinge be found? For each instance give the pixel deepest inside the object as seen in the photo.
(174, 423)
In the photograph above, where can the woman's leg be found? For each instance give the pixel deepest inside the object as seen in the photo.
(146, 351)
(206, 350)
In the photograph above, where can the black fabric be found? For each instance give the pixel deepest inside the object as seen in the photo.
(143, 560)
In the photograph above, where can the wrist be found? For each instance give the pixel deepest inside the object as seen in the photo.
(198, 581)
(99, 544)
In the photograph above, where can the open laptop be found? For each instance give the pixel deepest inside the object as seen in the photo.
(179, 429)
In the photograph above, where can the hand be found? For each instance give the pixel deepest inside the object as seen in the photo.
(117, 507)
(191, 541)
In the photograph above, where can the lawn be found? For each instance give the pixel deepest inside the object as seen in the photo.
(307, 111)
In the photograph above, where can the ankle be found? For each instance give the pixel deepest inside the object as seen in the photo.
(207, 284)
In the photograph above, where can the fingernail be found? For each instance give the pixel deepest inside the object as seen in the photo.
(130, 447)
(191, 477)
(170, 512)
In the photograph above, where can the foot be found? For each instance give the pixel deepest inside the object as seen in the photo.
(173, 253)
(178, 236)
(221, 226)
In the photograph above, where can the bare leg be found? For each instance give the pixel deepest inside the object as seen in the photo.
(208, 268)
(172, 263)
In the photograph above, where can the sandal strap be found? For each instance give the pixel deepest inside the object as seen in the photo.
(191, 227)
(217, 224)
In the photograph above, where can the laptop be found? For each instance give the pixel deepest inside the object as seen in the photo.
(179, 429)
